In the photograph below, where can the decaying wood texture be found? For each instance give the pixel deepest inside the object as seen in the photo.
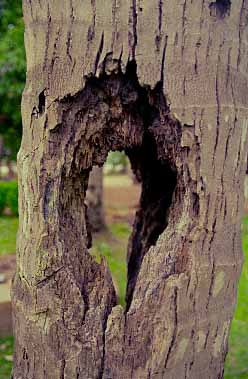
(166, 82)
(94, 200)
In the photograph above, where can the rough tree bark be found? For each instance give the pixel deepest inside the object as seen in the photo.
(94, 200)
(166, 82)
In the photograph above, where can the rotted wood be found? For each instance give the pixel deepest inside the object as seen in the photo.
(167, 84)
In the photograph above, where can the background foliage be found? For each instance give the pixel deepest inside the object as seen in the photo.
(12, 73)
(9, 197)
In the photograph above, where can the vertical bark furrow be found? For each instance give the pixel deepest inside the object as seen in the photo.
(241, 18)
(99, 53)
(114, 23)
(217, 95)
(163, 58)
(171, 345)
(160, 19)
(47, 42)
(184, 19)
(133, 36)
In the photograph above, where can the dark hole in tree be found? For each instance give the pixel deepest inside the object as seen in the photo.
(220, 8)
(121, 193)
(154, 170)
(123, 116)
(42, 100)
(158, 181)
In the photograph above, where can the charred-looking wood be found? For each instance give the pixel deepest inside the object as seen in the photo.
(120, 115)
(42, 101)
(158, 180)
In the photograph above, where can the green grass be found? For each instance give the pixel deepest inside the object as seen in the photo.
(113, 246)
(120, 231)
(6, 351)
(8, 230)
(117, 181)
(9, 197)
(115, 253)
(237, 358)
(116, 265)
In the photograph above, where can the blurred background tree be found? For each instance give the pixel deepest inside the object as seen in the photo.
(12, 76)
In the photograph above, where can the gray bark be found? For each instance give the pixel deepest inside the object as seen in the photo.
(166, 82)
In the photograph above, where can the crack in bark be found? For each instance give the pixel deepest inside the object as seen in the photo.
(211, 285)
(31, 7)
(160, 18)
(99, 53)
(183, 26)
(49, 18)
(228, 67)
(46, 280)
(132, 35)
(198, 45)
(160, 15)
(240, 33)
(68, 45)
(163, 59)
(72, 16)
(217, 96)
(62, 374)
(69, 33)
(174, 335)
(207, 336)
(55, 45)
(36, 148)
(201, 17)
(101, 372)
(115, 23)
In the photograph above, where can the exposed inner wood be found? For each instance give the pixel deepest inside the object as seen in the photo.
(121, 115)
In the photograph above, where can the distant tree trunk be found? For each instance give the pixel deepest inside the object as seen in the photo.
(246, 186)
(1, 153)
(167, 83)
(246, 192)
(11, 173)
(94, 200)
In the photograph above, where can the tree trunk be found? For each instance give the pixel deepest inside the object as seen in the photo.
(11, 173)
(166, 82)
(94, 200)
(1, 154)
